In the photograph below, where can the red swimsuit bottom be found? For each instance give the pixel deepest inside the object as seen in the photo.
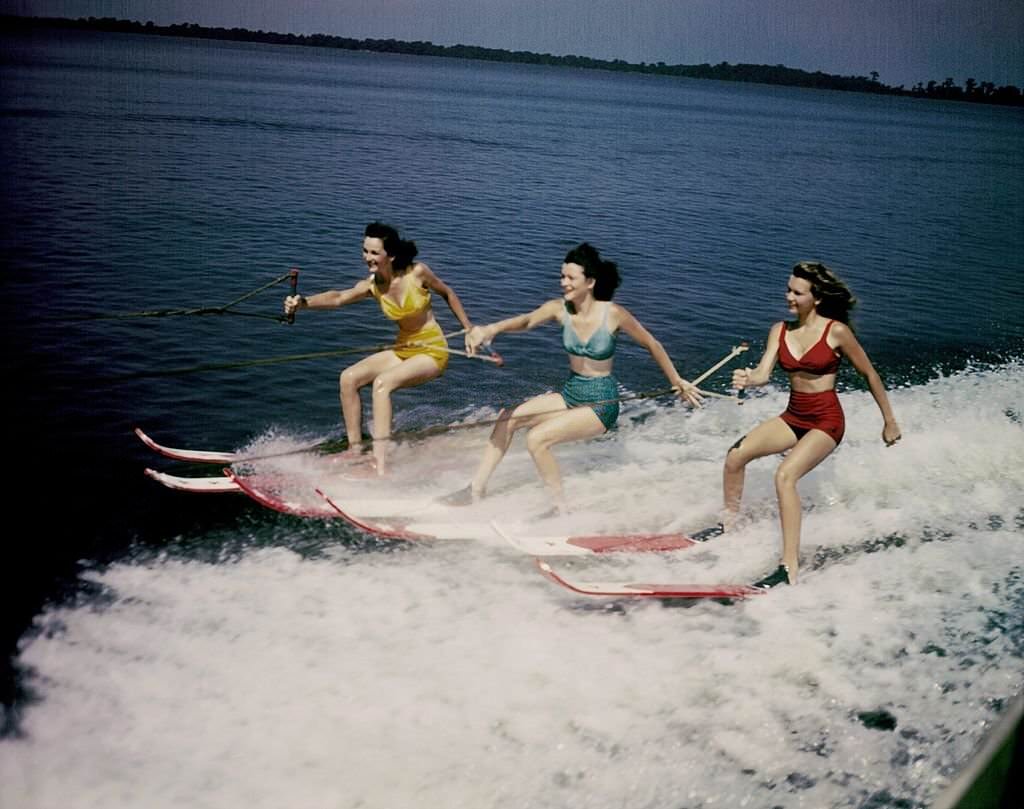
(815, 411)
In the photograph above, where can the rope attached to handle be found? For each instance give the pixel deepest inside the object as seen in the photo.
(226, 309)
(426, 432)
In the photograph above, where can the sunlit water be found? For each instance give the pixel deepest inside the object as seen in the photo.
(213, 653)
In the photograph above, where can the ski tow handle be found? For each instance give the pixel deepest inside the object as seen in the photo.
(491, 356)
(293, 279)
(736, 351)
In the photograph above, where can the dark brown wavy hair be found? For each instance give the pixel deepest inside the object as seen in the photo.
(605, 273)
(834, 298)
(402, 252)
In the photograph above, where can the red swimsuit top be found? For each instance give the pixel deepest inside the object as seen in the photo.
(819, 359)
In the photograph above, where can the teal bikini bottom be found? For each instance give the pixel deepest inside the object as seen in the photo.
(583, 390)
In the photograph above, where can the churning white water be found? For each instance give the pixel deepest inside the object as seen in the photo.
(453, 675)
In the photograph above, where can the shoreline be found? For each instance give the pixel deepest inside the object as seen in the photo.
(983, 92)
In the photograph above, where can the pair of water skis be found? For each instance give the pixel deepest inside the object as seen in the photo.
(431, 520)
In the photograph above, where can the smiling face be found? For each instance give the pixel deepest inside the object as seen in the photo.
(374, 256)
(575, 284)
(799, 298)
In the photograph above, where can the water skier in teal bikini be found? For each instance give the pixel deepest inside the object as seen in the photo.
(585, 308)
(813, 424)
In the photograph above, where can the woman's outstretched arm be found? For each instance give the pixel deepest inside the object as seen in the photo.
(635, 329)
(482, 335)
(331, 299)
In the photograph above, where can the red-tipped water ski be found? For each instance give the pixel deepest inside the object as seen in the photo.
(624, 589)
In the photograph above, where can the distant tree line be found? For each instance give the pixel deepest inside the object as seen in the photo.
(983, 92)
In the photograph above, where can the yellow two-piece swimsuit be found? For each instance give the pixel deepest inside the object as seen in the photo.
(429, 340)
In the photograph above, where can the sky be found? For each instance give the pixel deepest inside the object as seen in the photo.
(905, 41)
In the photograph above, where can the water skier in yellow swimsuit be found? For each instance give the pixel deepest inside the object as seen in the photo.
(402, 287)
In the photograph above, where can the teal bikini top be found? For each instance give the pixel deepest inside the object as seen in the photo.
(600, 346)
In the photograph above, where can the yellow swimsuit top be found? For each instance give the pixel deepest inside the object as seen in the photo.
(416, 299)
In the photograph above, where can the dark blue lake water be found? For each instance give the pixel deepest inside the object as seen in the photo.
(203, 650)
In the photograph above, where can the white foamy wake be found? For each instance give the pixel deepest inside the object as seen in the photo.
(453, 675)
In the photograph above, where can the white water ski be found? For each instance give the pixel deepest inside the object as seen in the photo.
(281, 494)
(424, 520)
(589, 544)
(273, 493)
(193, 455)
(205, 485)
(304, 500)
(648, 590)
(227, 458)
(417, 525)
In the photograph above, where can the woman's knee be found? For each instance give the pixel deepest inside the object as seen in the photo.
(537, 441)
(784, 477)
(382, 387)
(735, 459)
(348, 381)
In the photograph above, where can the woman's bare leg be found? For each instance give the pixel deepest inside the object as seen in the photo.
(809, 451)
(354, 378)
(768, 438)
(574, 425)
(527, 414)
(407, 374)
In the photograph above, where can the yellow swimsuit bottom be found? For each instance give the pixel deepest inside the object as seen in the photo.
(429, 340)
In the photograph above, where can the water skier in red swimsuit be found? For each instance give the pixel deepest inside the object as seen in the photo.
(813, 424)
